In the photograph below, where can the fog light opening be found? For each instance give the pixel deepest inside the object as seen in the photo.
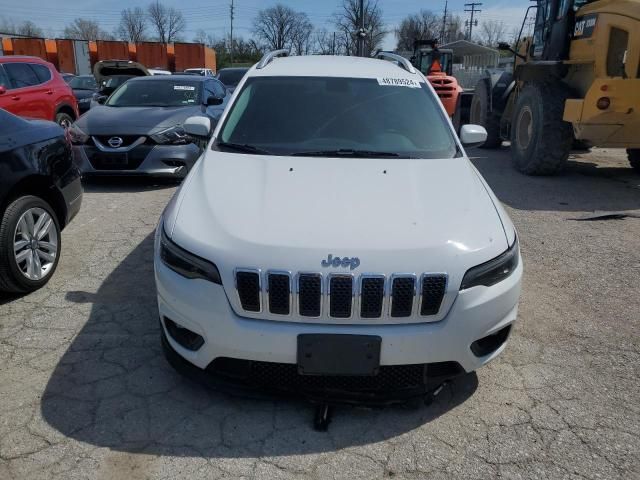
(490, 343)
(185, 337)
(603, 103)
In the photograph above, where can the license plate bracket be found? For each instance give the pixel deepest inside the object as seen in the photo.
(338, 354)
(111, 160)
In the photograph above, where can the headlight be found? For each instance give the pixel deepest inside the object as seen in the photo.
(173, 135)
(184, 263)
(493, 271)
(77, 136)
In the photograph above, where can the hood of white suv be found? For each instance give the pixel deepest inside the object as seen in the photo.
(289, 213)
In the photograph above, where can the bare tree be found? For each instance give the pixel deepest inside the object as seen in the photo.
(424, 25)
(301, 38)
(347, 22)
(85, 29)
(324, 42)
(203, 37)
(27, 28)
(276, 26)
(7, 25)
(455, 29)
(133, 25)
(30, 29)
(492, 32)
(168, 22)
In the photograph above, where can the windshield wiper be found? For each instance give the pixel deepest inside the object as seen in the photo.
(243, 147)
(347, 152)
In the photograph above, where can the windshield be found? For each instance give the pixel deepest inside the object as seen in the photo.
(231, 78)
(158, 93)
(298, 115)
(116, 81)
(83, 83)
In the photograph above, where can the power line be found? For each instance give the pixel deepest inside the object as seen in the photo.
(473, 10)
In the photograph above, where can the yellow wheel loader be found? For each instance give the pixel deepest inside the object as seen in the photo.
(575, 80)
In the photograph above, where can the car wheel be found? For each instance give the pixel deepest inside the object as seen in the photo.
(29, 245)
(64, 120)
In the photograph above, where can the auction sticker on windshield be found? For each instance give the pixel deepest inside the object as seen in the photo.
(183, 87)
(398, 82)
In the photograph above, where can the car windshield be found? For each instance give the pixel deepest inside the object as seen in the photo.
(337, 116)
(83, 83)
(231, 78)
(166, 92)
(115, 81)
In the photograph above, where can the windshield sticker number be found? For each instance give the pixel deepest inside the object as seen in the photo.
(398, 82)
(183, 87)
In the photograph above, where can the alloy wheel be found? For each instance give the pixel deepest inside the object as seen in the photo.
(35, 244)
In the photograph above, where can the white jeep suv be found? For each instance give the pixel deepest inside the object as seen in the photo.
(334, 241)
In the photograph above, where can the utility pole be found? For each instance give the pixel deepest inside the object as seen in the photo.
(473, 10)
(231, 36)
(333, 45)
(361, 33)
(444, 23)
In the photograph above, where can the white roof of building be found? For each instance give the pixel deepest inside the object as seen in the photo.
(334, 66)
(464, 47)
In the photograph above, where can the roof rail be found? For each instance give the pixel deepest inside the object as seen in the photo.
(402, 62)
(267, 57)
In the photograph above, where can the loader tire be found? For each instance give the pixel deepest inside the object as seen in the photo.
(540, 139)
(481, 114)
(633, 154)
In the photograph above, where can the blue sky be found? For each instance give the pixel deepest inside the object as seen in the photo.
(213, 15)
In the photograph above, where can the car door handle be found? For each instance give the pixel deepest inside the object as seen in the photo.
(49, 92)
(15, 97)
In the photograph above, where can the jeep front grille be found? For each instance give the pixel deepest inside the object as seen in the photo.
(340, 295)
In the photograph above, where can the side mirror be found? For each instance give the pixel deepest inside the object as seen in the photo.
(212, 100)
(3, 90)
(197, 126)
(101, 99)
(473, 135)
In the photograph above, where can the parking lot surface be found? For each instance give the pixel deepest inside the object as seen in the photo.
(85, 391)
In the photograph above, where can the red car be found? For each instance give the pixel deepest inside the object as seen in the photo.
(31, 87)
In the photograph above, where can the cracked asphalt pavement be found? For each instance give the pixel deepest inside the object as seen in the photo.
(85, 391)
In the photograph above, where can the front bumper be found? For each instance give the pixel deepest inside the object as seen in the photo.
(156, 160)
(203, 308)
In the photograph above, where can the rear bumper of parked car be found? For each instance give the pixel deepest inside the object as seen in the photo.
(151, 160)
(259, 353)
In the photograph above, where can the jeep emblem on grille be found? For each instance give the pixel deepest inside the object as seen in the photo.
(331, 261)
(115, 142)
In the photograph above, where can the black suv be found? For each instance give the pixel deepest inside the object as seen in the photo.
(40, 192)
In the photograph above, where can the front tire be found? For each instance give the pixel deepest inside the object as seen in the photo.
(64, 120)
(30, 245)
(480, 114)
(540, 139)
(633, 154)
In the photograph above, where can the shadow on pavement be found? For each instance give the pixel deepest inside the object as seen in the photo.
(113, 388)
(127, 184)
(585, 186)
(9, 297)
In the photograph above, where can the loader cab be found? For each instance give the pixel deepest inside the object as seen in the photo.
(553, 28)
(429, 59)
